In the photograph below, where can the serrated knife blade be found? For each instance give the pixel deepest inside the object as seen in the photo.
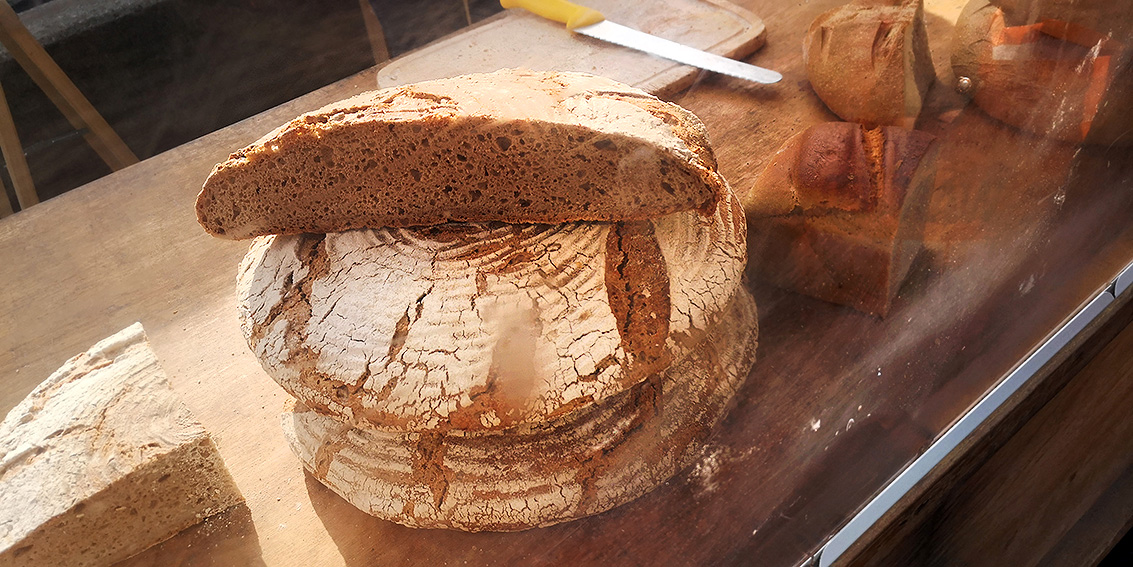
(592, 23)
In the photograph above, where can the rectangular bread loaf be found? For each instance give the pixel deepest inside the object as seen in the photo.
(839, 213)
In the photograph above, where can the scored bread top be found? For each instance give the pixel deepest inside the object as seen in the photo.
(484, 326)
(512, 146)
(840, 168)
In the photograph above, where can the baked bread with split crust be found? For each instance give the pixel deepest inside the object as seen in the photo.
(848, 207)
(511, 146)
(870, 62)
(502, 301)
(582, 463)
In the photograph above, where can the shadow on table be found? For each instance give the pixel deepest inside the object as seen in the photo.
(228, 538)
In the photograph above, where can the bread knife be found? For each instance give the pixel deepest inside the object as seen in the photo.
(590, 22)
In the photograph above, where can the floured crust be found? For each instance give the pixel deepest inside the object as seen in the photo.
(511, 146)
(102, 460)
(580, 464)
(485, 326)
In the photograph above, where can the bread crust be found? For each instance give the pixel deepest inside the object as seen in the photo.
(861, 197)
(870, 61)
(485, 326)
(583, 463)
(102, 460)
(511, 146)
(1076, 88)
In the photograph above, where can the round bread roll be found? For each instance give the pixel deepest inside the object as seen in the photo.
(485, 326)
(869, 62)
(1055, 78)
(582, 463)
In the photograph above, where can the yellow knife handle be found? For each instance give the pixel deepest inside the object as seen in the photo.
(562, 11)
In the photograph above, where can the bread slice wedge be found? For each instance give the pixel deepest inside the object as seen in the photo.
(102, 460)
(511, 146)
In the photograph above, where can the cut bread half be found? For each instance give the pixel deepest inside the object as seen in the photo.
(510, 146)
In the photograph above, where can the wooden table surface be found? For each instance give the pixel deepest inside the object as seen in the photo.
(1021, 232)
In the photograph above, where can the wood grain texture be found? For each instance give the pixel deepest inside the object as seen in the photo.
(1019, 233)
(14, 161)
(904, 533)
(1028, 496)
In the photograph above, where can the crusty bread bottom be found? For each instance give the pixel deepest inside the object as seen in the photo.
(586, 462)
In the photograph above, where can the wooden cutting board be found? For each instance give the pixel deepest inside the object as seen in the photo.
(517, 38)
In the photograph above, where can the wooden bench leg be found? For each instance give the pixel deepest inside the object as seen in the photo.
(35, 60)
(14, 158)
(374, 32)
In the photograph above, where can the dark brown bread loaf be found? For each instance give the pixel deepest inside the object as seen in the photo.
(511, 146)
(847, 207)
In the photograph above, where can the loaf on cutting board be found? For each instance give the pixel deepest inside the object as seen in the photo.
(102, 460)
(847, 208)
(548, 148)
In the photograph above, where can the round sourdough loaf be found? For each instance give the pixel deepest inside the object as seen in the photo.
(585, 462)
(511, 146)
(485, 326)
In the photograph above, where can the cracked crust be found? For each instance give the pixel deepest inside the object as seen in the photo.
(532, 475)
(485, 326)
(511, 146)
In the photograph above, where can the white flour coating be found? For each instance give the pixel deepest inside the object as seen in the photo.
(473, 326)
(103, 460)
(583, 463)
